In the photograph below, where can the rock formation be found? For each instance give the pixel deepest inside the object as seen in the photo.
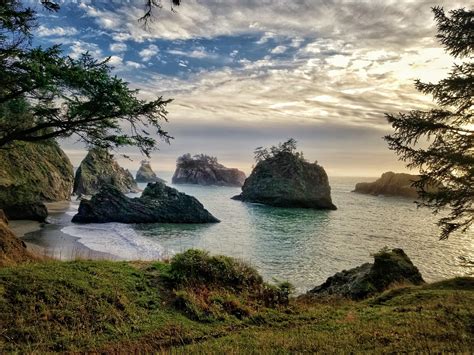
(389, 268)
(12, 249)
(205, 170)
(158, 204)
(98, 169)
(390, 184)
(146, 174)
(31, 173)
(287, 180)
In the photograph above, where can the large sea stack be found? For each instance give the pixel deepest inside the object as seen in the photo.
(158, 204)
(391, 184)
(99, 168)
(205, 170)
(30, 174)
(389, 268)
(283, 178)
(146, 173)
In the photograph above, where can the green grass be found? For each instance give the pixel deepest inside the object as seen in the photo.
(198, 303)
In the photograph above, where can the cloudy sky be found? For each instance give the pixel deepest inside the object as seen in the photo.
(253, 73)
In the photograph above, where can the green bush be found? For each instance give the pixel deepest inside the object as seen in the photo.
(197, 267)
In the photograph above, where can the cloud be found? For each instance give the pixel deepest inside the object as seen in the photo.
(118, 47)
(197, 53)
(115, 61)
(134, 65)
(43, 31)
(279, 50)
(147, 53)
(79, 47)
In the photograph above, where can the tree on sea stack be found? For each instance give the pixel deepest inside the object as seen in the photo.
(446, 133)
(45, 94)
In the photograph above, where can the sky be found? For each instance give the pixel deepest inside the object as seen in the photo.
(244, 74)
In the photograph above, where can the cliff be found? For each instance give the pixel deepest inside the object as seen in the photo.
(287, 180)
(31, 173)
(390, 184)
(205, 170)
(99, 168)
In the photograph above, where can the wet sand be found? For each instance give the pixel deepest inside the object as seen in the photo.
(46, 239)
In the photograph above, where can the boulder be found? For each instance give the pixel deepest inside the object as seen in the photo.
(389, 268)
(205, 170)
(146, 174)
(99, 168)
(12, 250)
(287, 180)
(32, 173)
(158, 204)
(391, 184)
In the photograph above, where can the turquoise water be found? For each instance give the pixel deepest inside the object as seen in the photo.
(299, 245)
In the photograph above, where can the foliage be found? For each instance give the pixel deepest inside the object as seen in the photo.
(440, 142)
(288, 147)
(44, 94)
(125, 307)
(188, 161)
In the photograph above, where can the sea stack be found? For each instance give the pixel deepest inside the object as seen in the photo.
(283, 178)
(205, 170)
(99, 168)
(391, 184)
(30, 174)
(146, 173)
(158, 204)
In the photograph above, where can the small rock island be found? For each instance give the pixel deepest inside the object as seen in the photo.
(100, 168)
(158, 204)
(391, 184)
(146, 173)
(205, 170)
(283, 178)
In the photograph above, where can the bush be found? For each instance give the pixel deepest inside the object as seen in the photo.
(197, 267)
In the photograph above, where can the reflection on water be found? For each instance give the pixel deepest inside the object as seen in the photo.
(299, 245)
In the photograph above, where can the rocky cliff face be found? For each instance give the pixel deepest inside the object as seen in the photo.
(12, 250)
(286, 180)
(390, 184)
(146, 174)
(98, 169)
(205, 170)
(389, 268)
(158, 204)
(31, 173)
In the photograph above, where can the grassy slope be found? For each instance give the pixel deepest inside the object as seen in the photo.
(105, 306)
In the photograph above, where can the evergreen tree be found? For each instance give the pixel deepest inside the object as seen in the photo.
(440, 142)
(45, 94)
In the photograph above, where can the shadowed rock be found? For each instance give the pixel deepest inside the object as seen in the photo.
(146, 174)
(99, 168)
(389, 268)
(205, 170)
(286, 180)
(158, 204)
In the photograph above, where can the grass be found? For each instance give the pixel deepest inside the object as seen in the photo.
(204, 304)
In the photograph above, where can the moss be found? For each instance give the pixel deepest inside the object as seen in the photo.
(31, 172)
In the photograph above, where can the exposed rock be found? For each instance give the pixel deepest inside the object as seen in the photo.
(158, 204)
(287, 180)
(389, 268)
(205, 170)
(391, 184)
(99, 168)
(31, 173)
(35, 211)
(146, 174)
(12, 249)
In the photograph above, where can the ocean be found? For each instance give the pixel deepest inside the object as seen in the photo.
(301, 246)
